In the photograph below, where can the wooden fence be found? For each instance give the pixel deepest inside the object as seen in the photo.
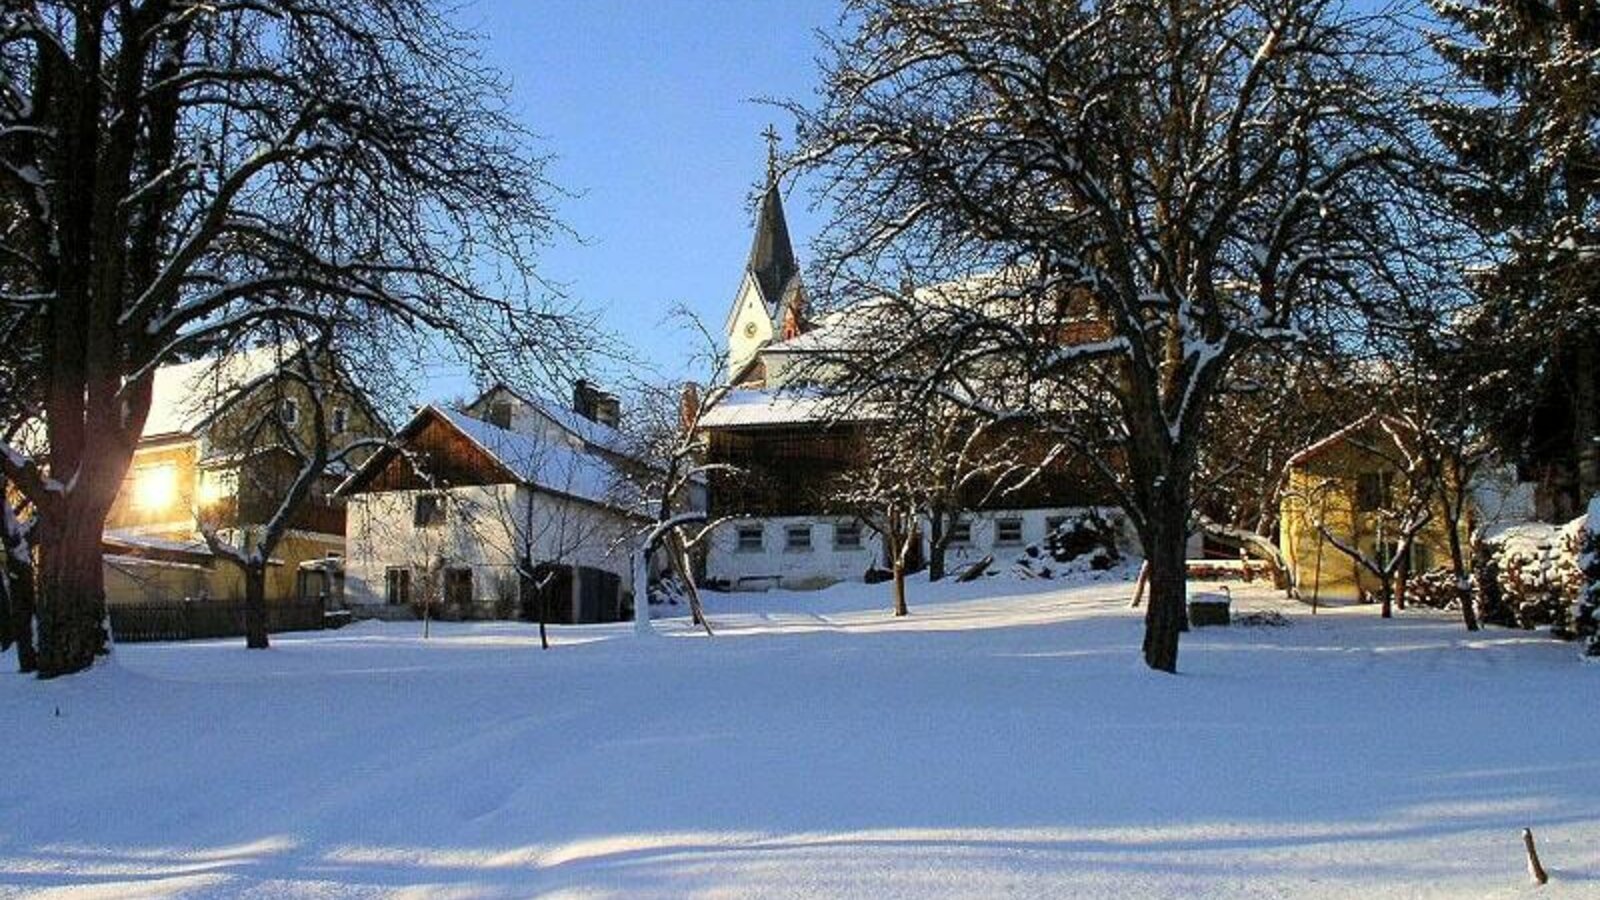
(183, 620)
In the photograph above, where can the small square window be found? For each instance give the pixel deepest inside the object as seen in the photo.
(847, 536)
(750, 539)
(429, 511)
(1374, 491)
(1008, 531)
(797, 538)
(960, 533)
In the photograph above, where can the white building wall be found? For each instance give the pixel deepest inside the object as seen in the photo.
(777, 566)
(483, 531)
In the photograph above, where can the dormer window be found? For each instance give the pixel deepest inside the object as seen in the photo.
(500, 414)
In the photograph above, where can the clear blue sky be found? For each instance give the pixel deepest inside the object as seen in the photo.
(646, 106)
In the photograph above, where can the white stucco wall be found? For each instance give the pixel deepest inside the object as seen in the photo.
(775, 565)
(483, 530)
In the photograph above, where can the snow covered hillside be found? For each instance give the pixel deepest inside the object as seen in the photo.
(986, 746)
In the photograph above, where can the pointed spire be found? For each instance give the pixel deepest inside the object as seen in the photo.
(772, 259)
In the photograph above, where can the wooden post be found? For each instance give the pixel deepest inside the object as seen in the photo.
(1534, 868)
(1139, 586)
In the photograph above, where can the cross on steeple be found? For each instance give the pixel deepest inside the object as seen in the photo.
(771, 134)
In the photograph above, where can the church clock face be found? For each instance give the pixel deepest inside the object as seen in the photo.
(749, 329)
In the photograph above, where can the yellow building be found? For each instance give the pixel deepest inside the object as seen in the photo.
(205, 457)
(1348, 492)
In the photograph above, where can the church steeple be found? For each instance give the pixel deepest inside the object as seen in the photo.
(771, 303)
(772, 259)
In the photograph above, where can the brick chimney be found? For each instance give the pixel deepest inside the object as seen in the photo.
(688, 405)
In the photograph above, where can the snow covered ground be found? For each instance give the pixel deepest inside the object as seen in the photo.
(989, 745)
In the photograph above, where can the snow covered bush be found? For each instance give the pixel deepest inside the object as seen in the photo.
(1085, 542)
(1528, 576)
(1433, 589)
(1086, 537)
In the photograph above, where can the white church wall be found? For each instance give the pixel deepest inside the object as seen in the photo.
(751, 327)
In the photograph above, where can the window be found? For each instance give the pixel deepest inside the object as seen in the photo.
(1053, 524)
(500, 415)
(341, 420)
(750, 539)
(397, 586)
(960, 533)
(1008, 531)
(289, 411)
(847, 536)
(1374, 491)
(429, 511)
(797, 538)
(217, 485)
(155, 487)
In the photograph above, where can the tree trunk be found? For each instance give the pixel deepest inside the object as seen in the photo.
(255, 607)
(20, 624)
(936, 544)
(1586, 415)
(544, 611)
(900, 586)
(1458, 570)
(1167, 614)
(71, 593)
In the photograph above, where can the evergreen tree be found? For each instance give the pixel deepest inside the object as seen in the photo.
(1525, 133)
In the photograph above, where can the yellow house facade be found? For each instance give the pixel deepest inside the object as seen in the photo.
(1350, 489)
(202, 461)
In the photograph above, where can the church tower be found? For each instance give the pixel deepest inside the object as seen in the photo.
(771, 303)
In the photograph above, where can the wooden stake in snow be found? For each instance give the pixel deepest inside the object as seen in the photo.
(1144, 579)
(1534, 869)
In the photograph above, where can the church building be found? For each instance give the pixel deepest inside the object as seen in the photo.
(794, 448)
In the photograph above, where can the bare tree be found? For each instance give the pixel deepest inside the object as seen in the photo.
(672, 480)
(285, 463)
(1199, 178)
(184, 170)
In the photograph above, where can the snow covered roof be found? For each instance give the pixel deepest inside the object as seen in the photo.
(595, 434)
(1322, 446)
(749, 407)
(548, 465)
(186, 396)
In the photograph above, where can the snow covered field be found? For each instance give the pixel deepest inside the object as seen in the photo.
(987, 746)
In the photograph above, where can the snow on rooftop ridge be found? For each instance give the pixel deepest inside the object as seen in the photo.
(185, 396)
(545, 464)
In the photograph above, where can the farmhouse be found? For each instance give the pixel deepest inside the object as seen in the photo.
(508, 507)
(201, 459)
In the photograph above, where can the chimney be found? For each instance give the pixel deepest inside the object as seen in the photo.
(595, 405)
(688, 405)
